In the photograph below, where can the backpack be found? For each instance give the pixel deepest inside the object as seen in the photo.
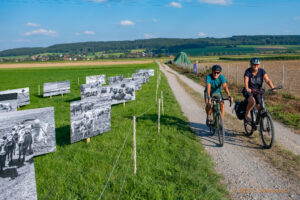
(240, 109)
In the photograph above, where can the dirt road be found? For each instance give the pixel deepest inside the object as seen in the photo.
(246, 175)
(71, 64)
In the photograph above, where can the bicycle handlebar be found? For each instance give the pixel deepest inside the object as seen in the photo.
(263, 91)
(220, 99)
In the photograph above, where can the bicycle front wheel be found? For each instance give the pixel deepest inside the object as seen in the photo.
(266, 131)
(220, 130)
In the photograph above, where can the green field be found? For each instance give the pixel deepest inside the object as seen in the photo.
(170, 165)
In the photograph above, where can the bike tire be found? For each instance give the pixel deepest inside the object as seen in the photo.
(249, 130)
(220, 131)
(267, 139)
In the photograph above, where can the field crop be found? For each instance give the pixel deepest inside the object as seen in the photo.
(170, 165)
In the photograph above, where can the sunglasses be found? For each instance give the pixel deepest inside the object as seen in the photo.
(216, 72)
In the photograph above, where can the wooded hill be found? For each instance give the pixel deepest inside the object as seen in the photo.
(170, 45)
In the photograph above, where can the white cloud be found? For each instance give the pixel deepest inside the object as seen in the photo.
(30, 24)
(21, 40)
(41, 32)
(175, 4)
(126, 23)
(154, 20)
(99, 1)
(148, 36)
(217, 2)
(201, 34)
(89, 32)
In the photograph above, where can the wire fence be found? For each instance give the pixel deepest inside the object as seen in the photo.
(150, 108)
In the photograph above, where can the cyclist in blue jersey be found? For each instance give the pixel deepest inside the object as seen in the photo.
(214, 82)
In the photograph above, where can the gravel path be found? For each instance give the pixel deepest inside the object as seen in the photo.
(246, 176)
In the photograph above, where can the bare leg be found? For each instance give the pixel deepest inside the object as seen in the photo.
(208, 109)
(250, 106)
(222, 107)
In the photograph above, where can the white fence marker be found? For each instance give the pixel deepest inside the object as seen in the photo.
(227, 72)
(282, 74)
(237, 77)
(156, 89)
(134, 146)
(158, 115)
(162, 102)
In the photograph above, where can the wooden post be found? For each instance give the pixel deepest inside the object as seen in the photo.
(78, 81)
(237, 80)
(158, 116)
(162, 102)
(123, 104)
(156, 89)
(39, 90)
(134, 146)
(227, 72)
(88, 140)
(282, 74)
(50, 97)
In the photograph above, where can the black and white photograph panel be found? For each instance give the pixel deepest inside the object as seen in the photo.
(23, 95)
(144, 76)
(149, 71)
(8, 106)
(56, 88)
(119, 93)
(17, 179)
(28, 132)
(115, 79)
(89, 118)
(90, 89)
(96, 79)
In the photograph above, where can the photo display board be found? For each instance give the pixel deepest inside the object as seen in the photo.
(149, 71)
(115, 79)
(8, 102)
(89, 118)
(142, 77)
(23, 135)
(56, 88)
(96, 79)
(23, 95)
(8, 106)
(118, 93)
(90, 89)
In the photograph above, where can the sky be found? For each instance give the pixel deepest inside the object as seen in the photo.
(41, 23)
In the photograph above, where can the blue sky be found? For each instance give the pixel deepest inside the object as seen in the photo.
(40, 23)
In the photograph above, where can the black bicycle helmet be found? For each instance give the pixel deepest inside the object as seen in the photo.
(255, 61)
(216, 68)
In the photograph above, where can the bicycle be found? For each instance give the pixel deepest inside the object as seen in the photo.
(218, 124)
(262, 119)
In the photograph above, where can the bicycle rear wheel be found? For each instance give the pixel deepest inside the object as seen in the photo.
(220, 130)
(266, 131)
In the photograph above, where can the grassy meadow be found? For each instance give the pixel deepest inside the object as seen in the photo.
(171, 164)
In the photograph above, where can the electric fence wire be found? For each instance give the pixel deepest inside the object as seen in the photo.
(115, 164)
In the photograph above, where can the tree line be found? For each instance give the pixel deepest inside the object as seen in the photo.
(158, 45)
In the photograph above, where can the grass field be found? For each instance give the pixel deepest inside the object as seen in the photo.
(170, 165)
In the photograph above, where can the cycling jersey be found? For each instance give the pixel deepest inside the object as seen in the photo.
(215, 83)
